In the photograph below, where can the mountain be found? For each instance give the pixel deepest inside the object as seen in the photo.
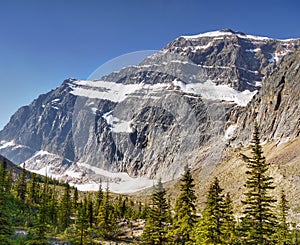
(275, 107)
(179, 106)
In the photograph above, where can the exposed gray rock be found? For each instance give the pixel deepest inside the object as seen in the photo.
(276, 106)
(153, 119)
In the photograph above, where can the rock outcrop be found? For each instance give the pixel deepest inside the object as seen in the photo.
(179, 106)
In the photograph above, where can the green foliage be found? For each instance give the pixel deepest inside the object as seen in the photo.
(6, 201)
(283, 233)
(156, 224)
(107, 227)
(229, 235)
(65, 208)
(185, 210)
(217, 225)
(22, 186)
(258, 223)
(210, 229)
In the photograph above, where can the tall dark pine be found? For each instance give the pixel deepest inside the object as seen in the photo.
(210, 228)
(229, 224)
(106, 220)
(6, 227)
(22, 185)
(156, 225)
(185, 210)
(258, 223)
(283, 226)
(65, 208)
(100, 197)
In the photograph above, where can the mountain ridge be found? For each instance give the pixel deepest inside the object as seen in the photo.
(180, 104)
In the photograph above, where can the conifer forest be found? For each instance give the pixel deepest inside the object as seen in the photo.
(40, 210)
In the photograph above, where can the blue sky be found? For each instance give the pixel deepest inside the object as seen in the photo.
(43, 42)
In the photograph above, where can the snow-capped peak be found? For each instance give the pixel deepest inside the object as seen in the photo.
(228, 32)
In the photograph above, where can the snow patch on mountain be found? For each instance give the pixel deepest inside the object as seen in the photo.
(112, 91)
(121, 182)
(225, 33)
(117, 125)
(118, 92)
(211, 91)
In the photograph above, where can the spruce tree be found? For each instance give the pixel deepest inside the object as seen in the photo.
(33, 191)
(156, 225)
(99, 198)
(185, 210)
(90, 212)
(65, 208)
(209, 229)
(229, 235)
(22, 185)
(37, 234)
(106, 219)
(75, 199)
(258, 223)
(283, 226)
(6, 199)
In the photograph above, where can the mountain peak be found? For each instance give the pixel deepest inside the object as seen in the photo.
(225, 32)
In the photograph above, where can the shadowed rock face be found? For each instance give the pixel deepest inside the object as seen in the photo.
(171, 110)
(275, 107)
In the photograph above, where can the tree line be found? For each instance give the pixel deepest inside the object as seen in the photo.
(262, 221)
(46, 211)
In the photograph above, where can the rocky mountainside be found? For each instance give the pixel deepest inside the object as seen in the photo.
(150, 120)
(276, 107)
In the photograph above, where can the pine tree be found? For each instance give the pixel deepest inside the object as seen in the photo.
(65, 208)
(33, 190)
(283, 226)
(75, 199)
(81, 222)
(90, 212)
(106, 219)
(37, 234)
(156, 225)
(185, 210)
(99, 198)
(259, 220)
(53, 208)
(209, 230)
(22, 185)
(6, 226)
(229, 223)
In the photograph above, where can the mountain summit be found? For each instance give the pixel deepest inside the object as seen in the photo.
(179, 106)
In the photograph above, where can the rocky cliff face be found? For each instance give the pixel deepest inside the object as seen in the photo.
(152, 119)
(275, 107)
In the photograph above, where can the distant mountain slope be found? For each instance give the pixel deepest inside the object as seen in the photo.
(179, 106)
(276, 107)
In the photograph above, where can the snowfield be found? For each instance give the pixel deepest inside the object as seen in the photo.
(117, 92)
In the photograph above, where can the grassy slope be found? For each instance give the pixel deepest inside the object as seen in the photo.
(284, 162)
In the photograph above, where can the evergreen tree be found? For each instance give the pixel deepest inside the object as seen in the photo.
(37, 234)
(53, 208)
(6, 199)
(283, 226)
(258, 222)
(106, 220)
(99, 198)
(33, 191)
(22, 185)
(90, 212)
(65, 208)
(209, 230)
(229, 224)
(81, 223)
(185, 210)
(156, 225)
(75, 199)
